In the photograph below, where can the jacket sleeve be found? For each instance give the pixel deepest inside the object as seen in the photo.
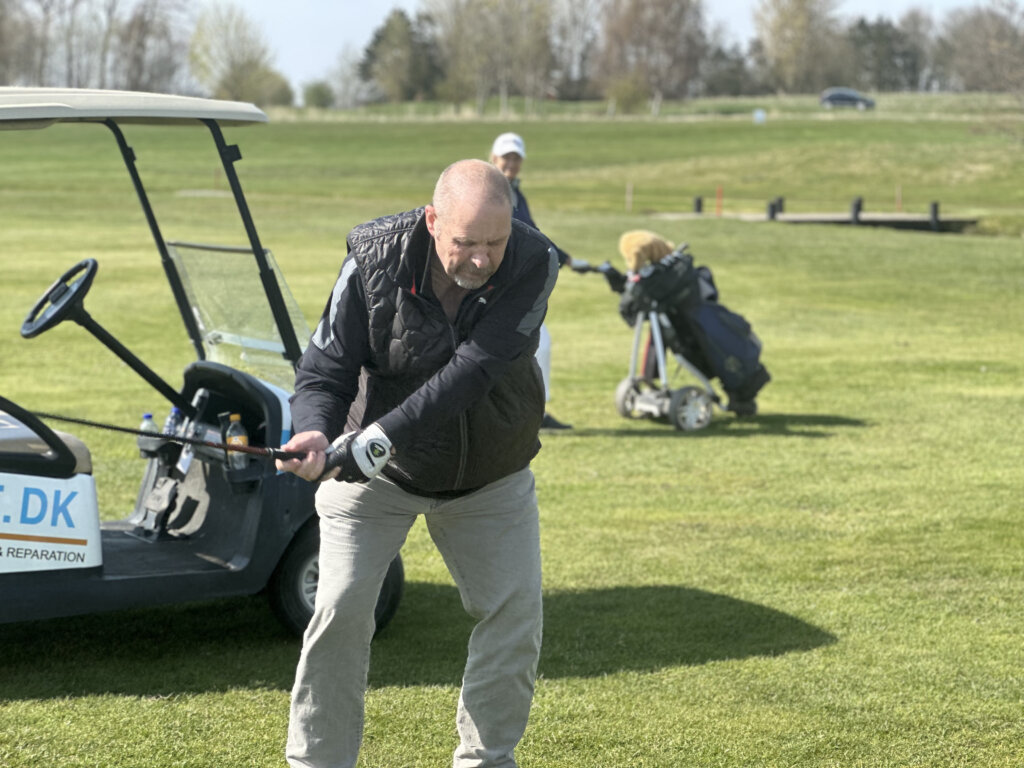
(327, 374)
(506, 330)
(522, 212)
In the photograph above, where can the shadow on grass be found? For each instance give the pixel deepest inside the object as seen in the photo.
(237, 643)
(215, 646)
(776, 424)
(594, 632)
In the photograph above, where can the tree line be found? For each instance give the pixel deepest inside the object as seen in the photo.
(163, 46)
(632, 53)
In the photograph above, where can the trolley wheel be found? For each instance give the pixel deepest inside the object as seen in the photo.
(690, 408)
(625, 398)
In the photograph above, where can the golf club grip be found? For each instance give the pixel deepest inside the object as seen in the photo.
(334, 457)
(283, 455)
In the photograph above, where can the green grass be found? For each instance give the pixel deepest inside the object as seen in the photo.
(965, 154)
(836, 582)
(909, 105)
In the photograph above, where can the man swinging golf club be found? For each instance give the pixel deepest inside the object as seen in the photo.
(423, 363)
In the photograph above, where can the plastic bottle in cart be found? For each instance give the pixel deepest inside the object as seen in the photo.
(173, 421)
(236, 435)
(147, 445)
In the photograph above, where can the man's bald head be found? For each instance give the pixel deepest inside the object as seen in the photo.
(470, 220)
(474, 181)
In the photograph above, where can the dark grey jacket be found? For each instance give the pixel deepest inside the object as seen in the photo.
(461, 402)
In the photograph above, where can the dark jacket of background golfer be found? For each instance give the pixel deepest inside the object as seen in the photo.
(508, 152)
(521, 211)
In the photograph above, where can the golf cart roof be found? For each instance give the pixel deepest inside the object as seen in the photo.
(40, 107)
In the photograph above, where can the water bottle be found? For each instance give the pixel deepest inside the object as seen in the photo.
(236, 435)
(147, 444)
(173, 422)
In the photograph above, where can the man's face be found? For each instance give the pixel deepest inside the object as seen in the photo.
(509, 164)
(470, 240)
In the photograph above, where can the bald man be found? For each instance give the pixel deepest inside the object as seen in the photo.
(422, 375)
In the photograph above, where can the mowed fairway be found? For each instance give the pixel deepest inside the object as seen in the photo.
(838, 581)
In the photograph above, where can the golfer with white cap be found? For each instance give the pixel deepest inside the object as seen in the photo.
(507, 154)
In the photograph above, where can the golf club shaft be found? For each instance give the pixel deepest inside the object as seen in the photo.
(275, 453)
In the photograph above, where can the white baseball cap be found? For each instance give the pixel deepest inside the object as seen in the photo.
(509, 142)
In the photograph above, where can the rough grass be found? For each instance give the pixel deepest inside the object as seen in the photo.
(836, 582)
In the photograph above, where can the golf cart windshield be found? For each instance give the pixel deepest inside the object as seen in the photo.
(237, 328)
(234, 303)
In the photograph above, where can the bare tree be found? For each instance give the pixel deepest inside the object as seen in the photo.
(987, 46)
(918, 27)
(108, 20)
(575, 35)
(349, 89)
(15, 43)
(800, 39)
(88, 43)
(500, 34)
(6, 30)
(47, 11)
(493, 47)
(231, 58)
(661, 41)
(150, 43)
(75, 68)
(462, 38)
(531, 56)
(75, 41)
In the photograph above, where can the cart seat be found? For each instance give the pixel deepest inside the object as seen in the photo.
(30, 447)
(83, 457)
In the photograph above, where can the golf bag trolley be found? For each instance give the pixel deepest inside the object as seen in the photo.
(676, 303)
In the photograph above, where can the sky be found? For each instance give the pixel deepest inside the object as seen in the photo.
(307, 37)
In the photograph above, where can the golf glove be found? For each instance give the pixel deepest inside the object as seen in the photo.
(616, 280)
(360, 455)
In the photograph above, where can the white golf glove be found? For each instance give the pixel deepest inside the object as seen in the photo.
(359, 455)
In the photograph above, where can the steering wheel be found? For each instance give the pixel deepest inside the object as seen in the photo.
(61, 299)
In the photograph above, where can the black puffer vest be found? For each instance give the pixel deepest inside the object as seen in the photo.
(411, 339)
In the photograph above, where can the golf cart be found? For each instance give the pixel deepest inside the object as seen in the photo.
(207, 522)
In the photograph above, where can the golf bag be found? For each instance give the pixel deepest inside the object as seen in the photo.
(717, 341)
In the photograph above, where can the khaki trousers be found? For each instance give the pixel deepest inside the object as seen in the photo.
(490, 543)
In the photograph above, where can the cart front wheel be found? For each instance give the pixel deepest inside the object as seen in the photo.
(690, 408)
(292, 588)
